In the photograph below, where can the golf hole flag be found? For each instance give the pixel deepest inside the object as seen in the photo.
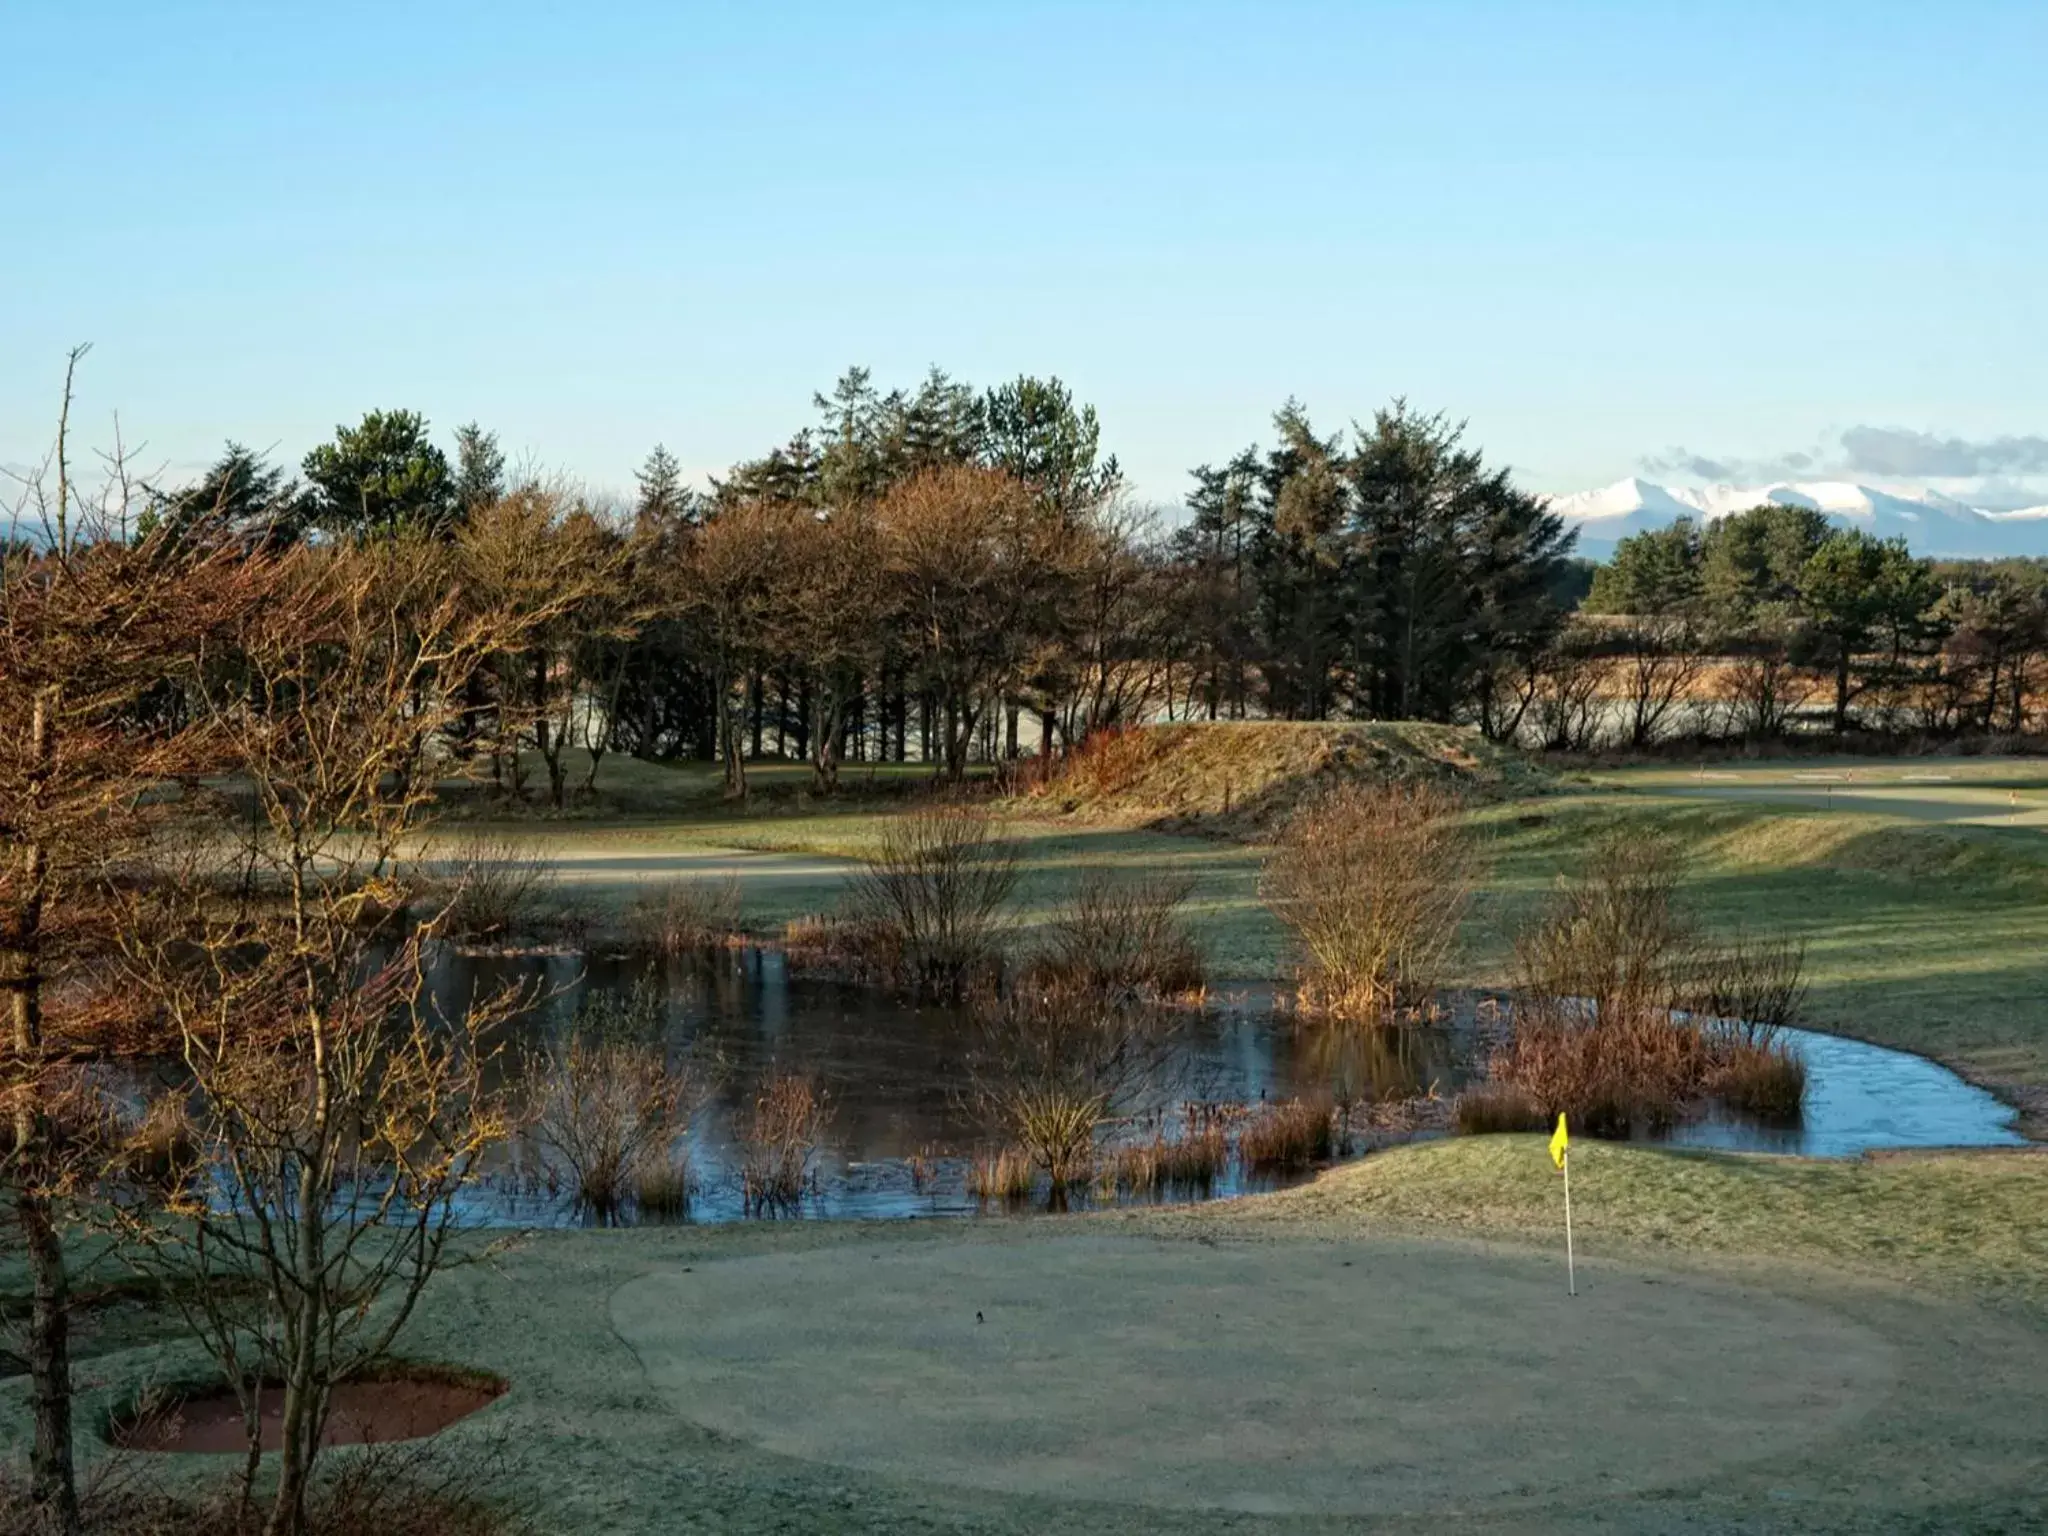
(1560, 1148)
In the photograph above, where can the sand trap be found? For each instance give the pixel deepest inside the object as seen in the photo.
(359, 1413)
(1376, 1376)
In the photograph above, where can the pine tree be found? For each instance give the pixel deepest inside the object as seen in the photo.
(479, 468)
(663, 496)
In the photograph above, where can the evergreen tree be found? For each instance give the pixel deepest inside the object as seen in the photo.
(1652, 574)
(381, 476)
(1842, 590)
(663, 498)
(242, 492)
(944, 423)
(1751, 562)
(1036, 433)
(1301, 563)
(479, 468)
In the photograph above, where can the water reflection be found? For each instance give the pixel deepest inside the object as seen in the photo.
(902, 1132)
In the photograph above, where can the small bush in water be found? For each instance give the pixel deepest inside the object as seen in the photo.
(1288, 1137)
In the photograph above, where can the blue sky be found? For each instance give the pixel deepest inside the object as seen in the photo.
(1615, 237)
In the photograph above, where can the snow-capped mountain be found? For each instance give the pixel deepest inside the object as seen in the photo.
(1930, 523)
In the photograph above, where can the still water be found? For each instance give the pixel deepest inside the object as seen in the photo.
(898, 1081)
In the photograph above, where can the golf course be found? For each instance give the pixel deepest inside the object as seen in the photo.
(1756, 1343)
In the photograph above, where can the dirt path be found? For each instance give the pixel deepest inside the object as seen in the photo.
(1350, 1378)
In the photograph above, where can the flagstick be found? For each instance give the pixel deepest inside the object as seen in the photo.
(1571, 1268)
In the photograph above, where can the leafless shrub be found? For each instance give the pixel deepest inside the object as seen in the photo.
(157, 1149)
(608, 1103)
(491, 889)
(1755, 986)
(1051, 1066)
(1121, 936)
(939, 881)
(779, 1141)
(684, 917)
(1289, 1137)
(1609, 1024)
(1373, 879)
(1611, 942)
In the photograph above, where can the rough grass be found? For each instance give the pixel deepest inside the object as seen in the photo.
(1239, 778)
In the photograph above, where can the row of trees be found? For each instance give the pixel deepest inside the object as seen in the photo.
(945, 573)
(1756, 620)
(922, 572)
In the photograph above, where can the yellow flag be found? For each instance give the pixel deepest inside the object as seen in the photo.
(1560, 1143)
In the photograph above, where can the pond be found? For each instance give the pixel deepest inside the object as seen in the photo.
(902, 1129)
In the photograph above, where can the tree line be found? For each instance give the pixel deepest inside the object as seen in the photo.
(1775, 620)
(945, 574)
(948, 574)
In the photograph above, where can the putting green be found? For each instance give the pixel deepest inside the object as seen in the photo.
(1346, 1377)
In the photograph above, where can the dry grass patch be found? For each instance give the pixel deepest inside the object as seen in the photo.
(685, 917)
(1191, 1162)
(778, 1143)
(1005, 1176)
(1246, 778)
(1290, 1137)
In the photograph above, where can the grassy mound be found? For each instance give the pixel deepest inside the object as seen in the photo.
(1238, 778)
(1974, 1221)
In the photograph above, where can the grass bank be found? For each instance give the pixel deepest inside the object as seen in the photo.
(1968, 1224)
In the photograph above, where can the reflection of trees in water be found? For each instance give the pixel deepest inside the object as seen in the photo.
(1371, 1064)
(896, 1072)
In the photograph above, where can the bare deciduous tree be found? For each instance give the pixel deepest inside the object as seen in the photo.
(338, 1117)
(96, 636)
(974, 555)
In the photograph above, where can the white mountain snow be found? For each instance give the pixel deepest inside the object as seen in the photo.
(1930, 522)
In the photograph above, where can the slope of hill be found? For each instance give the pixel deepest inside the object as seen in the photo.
(1930, 523)
(1242, 778)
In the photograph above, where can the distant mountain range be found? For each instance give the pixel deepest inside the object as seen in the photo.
(1930, 523)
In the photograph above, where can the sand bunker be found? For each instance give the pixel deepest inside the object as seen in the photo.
(1342, 1377)
(359, 1413)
